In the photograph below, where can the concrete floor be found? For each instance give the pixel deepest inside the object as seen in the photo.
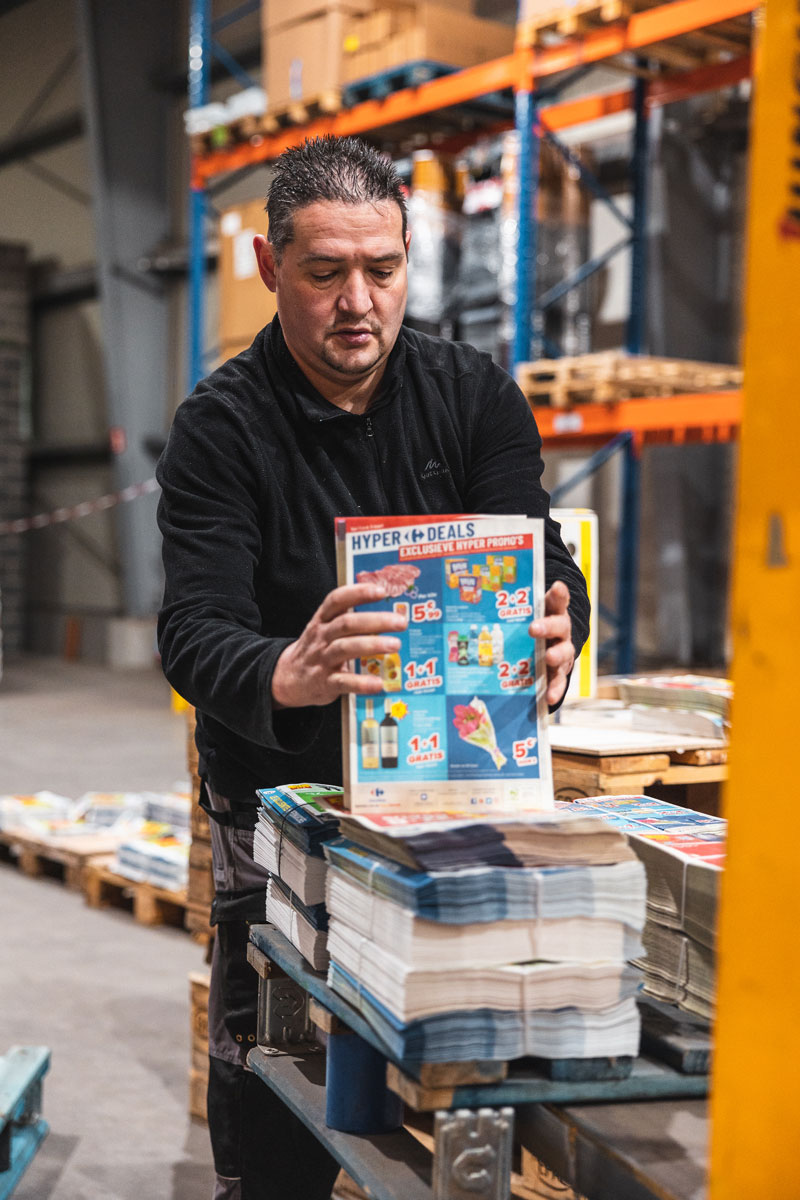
(108, 996)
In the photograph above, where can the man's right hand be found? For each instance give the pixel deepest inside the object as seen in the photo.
(316, 668)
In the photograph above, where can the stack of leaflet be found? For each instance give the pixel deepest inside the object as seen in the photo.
(294, 822)
(443, 842)
(486, 961)
(683, 852)
(157, 854)
(305, 925)
(170, 808)
(33, 812)
(686, 705)
(96, 823)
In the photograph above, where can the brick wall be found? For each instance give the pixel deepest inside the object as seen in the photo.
(14, 382)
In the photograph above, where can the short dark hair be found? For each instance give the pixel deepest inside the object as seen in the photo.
(345, 170)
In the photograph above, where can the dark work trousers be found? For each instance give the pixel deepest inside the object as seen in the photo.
(262, 1151)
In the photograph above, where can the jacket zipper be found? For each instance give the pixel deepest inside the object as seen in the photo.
(370, 433)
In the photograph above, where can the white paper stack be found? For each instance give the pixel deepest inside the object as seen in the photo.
(683, 853)
(505, 962)
(303, 873)
(427, 944)
(294, 822)
(305, 926)
(34, 812)
(155, 854)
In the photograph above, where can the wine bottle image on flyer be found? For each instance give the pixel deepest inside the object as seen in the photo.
(370, 739)
(388, 737)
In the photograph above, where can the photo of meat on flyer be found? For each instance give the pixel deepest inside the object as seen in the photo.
(460, 722)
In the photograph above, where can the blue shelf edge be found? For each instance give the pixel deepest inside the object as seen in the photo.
(649, 1079)
(25, 1141)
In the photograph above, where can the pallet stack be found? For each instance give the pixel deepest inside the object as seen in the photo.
(198, 1071)
(541, 21)
(198, 914)
(612, 375)
(201, 877)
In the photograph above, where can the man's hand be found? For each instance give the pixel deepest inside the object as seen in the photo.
(556, 627)
(315, 669)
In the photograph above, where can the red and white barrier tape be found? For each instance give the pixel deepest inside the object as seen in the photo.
(41, 520)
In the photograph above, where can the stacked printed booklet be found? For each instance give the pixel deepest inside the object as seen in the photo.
(294, 822)
(684, 854)
(487, 961)
(147, 832)
(461, 721)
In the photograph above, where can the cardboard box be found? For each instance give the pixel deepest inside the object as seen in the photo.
(245, 304)
(437, 37)
(304, 60)
(277, 13)
(371, 30)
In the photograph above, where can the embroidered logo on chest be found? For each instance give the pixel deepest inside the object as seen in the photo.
(434, 467)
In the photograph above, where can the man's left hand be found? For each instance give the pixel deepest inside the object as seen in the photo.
(556, 627)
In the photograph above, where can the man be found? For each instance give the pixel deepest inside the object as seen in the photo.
(334, 410)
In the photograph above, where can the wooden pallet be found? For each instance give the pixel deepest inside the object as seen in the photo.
(151, 905)
(611, 376)
(691, 778)
(198, 1071)
(568, 19)
(68, 860)
(198, 1089)
(301, 112)
(716, 43)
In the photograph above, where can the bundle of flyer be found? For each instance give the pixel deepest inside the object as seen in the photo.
(305, 925)
(487, 961)
(155, 853)
(294, 821)
(148, 832)
(461, 721)
(683, 853)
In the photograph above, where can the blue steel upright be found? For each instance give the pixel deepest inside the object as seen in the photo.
(637, 316)
(199, 75)
(525, 111)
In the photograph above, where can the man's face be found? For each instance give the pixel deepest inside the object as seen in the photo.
(341, 289)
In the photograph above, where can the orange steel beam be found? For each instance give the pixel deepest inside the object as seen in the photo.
(712, 416)
(518, 70)
(458, 88)
(640, 30)
(669, 88)
(585, 109)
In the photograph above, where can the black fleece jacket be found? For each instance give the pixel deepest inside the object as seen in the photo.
(257, 466)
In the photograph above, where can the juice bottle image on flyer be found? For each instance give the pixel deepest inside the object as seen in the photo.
(370, 757)
(498, 644)
(388, 737)
(485, 648)
(509, 568)
(392, 672)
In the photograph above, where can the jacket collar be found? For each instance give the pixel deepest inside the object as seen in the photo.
(311, 403)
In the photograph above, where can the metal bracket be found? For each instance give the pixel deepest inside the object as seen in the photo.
(283, 1018)
(472, 1154)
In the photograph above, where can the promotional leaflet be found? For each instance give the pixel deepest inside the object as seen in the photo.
(461, 723)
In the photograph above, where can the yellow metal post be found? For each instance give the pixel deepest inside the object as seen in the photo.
(756, 1094)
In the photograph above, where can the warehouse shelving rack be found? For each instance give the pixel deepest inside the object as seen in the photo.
(526, 72)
